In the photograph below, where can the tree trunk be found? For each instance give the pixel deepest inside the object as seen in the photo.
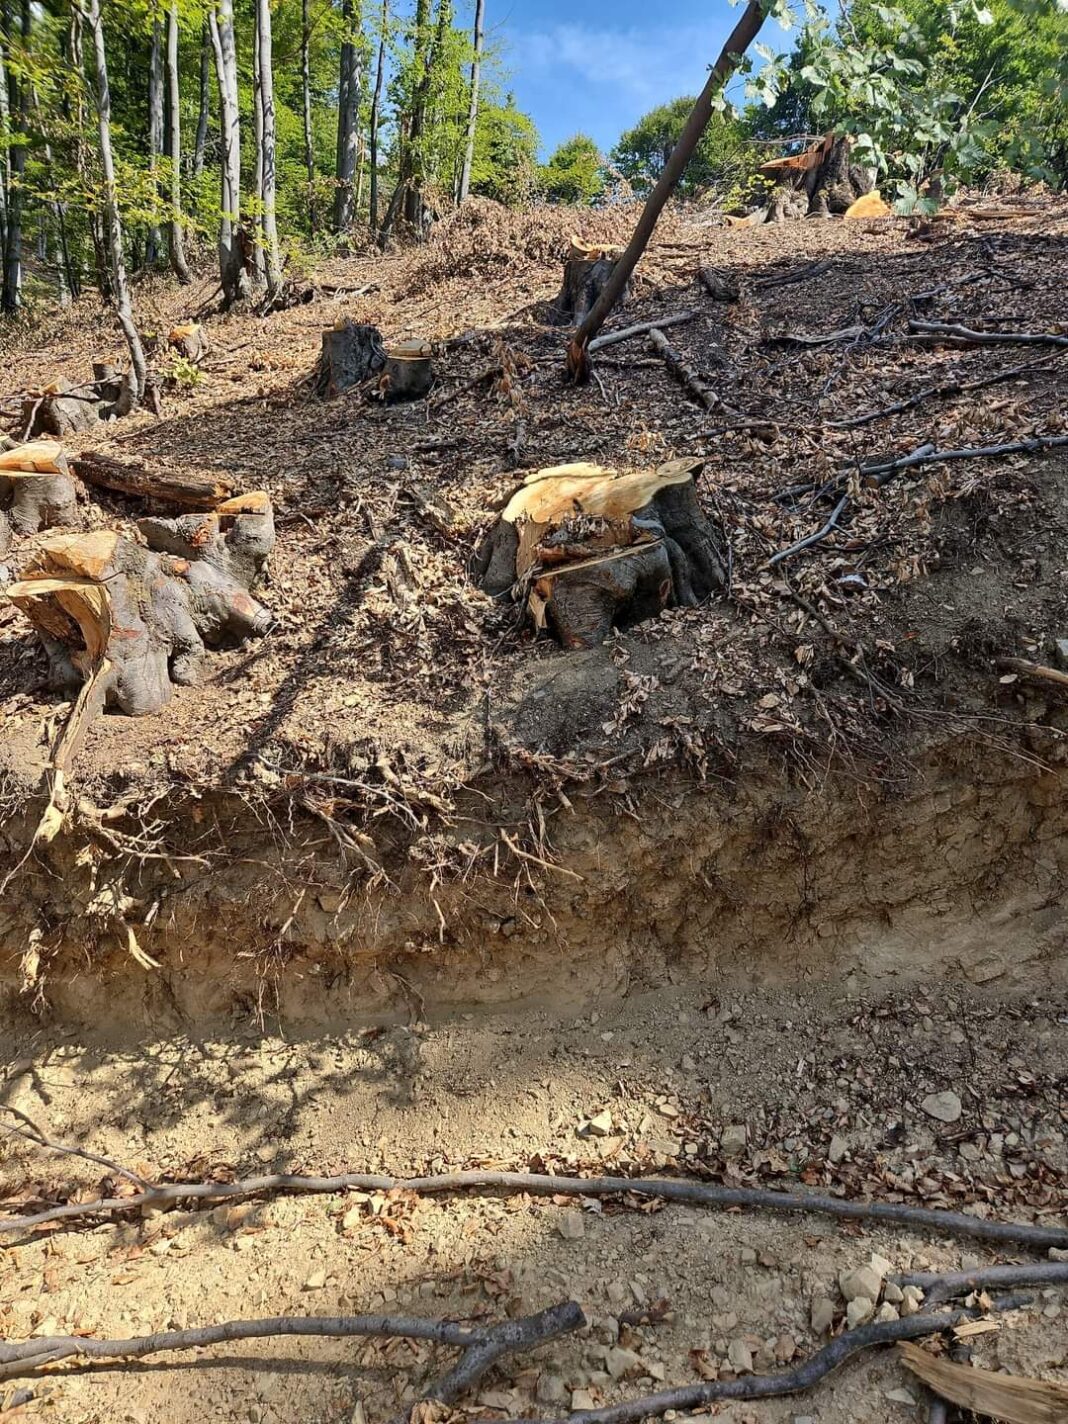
(816, 183)
(411, 155)
(272, 255)
(153, 242)
(5, 131)
(305, 89)
(741, 37)
(133, 478)
(66, 278)
(472, 111)
(176, 241)
(348, 119)
(376, 100)
(259, 263)
(81, 159)
(233, 272)
(201, 140)
(18, 113)
(111, 200)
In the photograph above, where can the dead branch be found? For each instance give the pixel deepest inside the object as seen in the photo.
(37, 1135)
(810, 539)
(939, 1287)
(928, 455)
(947, 388)
(795, 274)
(132, 477)
(953, 331)
(686, 376)
(541, 1184)
(804, 1376)
(638, 329)
(482, 1347)
(1035, 671)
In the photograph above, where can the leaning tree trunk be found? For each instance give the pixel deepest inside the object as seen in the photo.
(306, 106)
(153, 241)
(175, 237)
(272, 255)
(204, 107)
(472, 110)
(376, 101)
(18, 114)
(233, 273)
(348, 119)
(741, 37)
(119, 286)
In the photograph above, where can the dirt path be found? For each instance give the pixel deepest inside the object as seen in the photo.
(828, 1089)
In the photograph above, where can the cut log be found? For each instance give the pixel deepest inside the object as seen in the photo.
(59, 410)
(409, 371)
(352, 354)
(686, 376)
(591, 549)
(136, 620)
(586, 272)
(36, 488)
(132, 477)
(189, 341)
(1013, 1399)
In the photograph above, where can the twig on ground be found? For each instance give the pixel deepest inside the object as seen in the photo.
(955, 332)
(794, 274)
(32, 1133)
(1037, 671)
(674, 1189)
(939, 1287)
(686, 376)
(639, 329)
(882, 474)
(810, 539)
(802, 1377)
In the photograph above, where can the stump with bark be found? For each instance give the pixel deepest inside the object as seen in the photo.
(36, 488)
(352, 354)
(408, 373)
(135, 620)
(817, 183)
(592, 549)
(60, 409)
(586, 271)
(189, 341)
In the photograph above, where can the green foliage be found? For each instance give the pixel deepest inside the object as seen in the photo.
(723, 163)
(574, 172)
(183, 374)
(505, 164)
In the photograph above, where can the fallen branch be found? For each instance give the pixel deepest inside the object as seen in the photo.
(541, 1184)
(795, 274)
(947, 388)
(132, 477)
(940, 1287)
(1036, 671)
(804, 1376)
(928, 455)
(32, 1133)
(810, 539)
(686, 376)
(793, 338)
(482, 1347)
(720, 286)
(610, 338)
(965, 334)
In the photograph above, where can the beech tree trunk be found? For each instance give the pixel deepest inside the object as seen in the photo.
(816, 183)
(5, 129)
(233, 272)
(259, 263)
(411, 154)
(472, 111)
(201, 140)
(272, 254)
(376, 100)
(153, 242)
(348, 117)
(176, 240)
(18, 113)
(305, 89)
(119, 286)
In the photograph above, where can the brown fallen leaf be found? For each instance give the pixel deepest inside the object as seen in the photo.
(1011, 1398)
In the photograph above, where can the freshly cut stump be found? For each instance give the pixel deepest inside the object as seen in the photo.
(821, 181)
(586, 271)
(189, 341)
(409, 371)
(137, 620)
(36, 487)
(592, 549)
(352, 353)
(60, 409)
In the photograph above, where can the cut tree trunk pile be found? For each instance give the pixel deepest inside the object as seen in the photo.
(586, 272)
(36, 490)
(134, 621)
(591, 549)
(816, 183)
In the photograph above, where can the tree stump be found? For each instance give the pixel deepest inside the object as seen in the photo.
(60, 409)
(352, 353)
(137, 619)
(189, 341)
(586, 271)
(592, 549)
(36, 488)
(817, 183)
(409, 371)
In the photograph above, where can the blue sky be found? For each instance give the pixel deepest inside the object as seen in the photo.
(596, 69)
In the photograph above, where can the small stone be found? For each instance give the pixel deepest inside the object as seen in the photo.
(727, 1321)
(892, 1293)
(582, 1399)
(969, 1262)
(687, 1064)
(785, 1349)
(600, 1125)
(733, 1140)
(859, 1311)
(551, 1389)
(617, 1292)
(740, 1357)
(838, 1149)
(721, 1296)
(911, 1300)
(1056, 1254)
(804, 1419)
(862, 1284)
(315, 1281)
(881, 1265)
(747, 1256)
(901, 1396)
(397, 462)
(821, 1316)
(886, 1313)
(620, 1362)
(945, 1107)
(1060, 651)
(571, 1226)
(658, 1371)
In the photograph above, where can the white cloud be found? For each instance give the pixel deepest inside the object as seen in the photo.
(646, 67)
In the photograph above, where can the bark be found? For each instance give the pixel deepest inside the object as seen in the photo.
(233, 272)
(66, 277)
(376, 101)
(259, 263)
(816, 183)
(119, 286)
(586, 273)
(81, 159)
(18, 114)
(132, 477)
(411, 156)
(272, 254)
(472, 111)
(201, 140)
(351, 354)
(739, 41)
(5, 128)
(175, 236)
(36, 489)
(306, 98)
(61, 412)
(153, 243)
(348, 116)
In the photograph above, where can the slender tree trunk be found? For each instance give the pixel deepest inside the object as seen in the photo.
(175, 238)
(111, 198)
(5, 135)
(376, 101)
(361, 159)
(232, 271)
(259, 266)
(305, 89)
(81, 160)
(348, 118)
(153, 243)
(66, 279)
(411, 157)
(201, 140)
(472, 111)
(273, 261)
(18, 113)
